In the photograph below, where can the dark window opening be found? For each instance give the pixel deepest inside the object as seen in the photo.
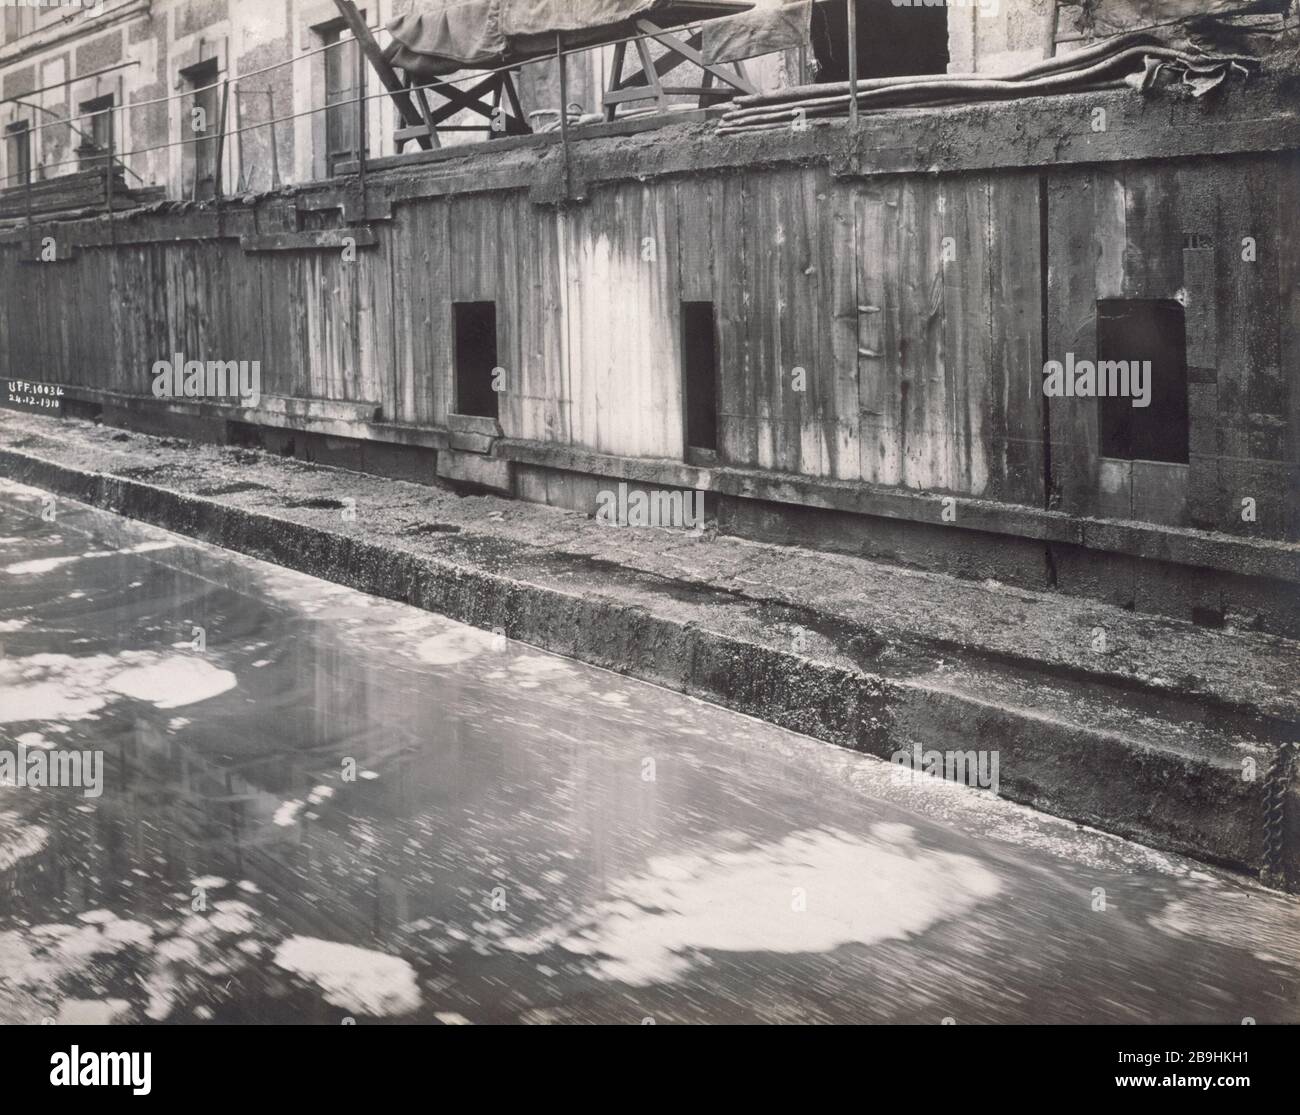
(200, 123)
(19, 140)
(893, 41)
(700, 375)
(97, 132)
(476, 357)
(1139, 331)
(345, 82)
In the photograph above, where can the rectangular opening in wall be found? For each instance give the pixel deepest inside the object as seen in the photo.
(894, 40)
(1142, 342)
(700, 375)
(476, 355)
(200, 123)
(97, 132)
(18, 139)
(344, 75)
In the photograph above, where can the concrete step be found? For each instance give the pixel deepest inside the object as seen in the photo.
(1171, 736)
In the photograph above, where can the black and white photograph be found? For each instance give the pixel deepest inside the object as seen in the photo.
(649, 513)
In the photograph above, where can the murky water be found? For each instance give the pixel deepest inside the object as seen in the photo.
(317, 805)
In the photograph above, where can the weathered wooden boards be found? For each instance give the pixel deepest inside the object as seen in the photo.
(1219, 237)
(885, 330)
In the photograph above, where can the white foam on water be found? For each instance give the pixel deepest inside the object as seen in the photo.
(233, 916)
(92, 1012)
(36, 740)
(46, 701)
(42, 565)
(288, 812)
(174, 682)
(451, 647)
(61, 687)
(45, 565)
(812, 892)
(534, 666)
(1234, 917)
(353, 978)
(18, 841)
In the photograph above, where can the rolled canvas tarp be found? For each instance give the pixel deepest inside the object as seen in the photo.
(1100, 18)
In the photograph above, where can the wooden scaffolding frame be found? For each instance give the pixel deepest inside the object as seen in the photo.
(421, 121)
(645, 84)
(496, 98)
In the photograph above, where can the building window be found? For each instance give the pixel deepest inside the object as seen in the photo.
(894, 40)
(200, 123)
(700, 375)
(1142, 342)
(97, 132)
(476, 357)
(19, 21)
(18, 145)
(345, 81)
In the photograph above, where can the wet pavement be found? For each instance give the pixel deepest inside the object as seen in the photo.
(317, 805)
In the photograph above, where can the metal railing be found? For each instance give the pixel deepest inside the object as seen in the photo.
(224, 133)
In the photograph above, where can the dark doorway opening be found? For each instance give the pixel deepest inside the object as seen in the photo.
(97, 138)
(19, 139)
(700, 375)
(1139, 330)
(200, 124)
(476, 357)
(345, 83)
(892, 41)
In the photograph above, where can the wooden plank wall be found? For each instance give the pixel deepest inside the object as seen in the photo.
(912, 302)
(1176, 232)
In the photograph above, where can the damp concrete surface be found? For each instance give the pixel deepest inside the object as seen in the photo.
(317, 806)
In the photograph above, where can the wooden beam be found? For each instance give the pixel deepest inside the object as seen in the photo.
(312, 241)
(391, 82)
(687, 49)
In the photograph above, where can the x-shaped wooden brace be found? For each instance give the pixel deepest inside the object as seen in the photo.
(646, 84)
(472, 99)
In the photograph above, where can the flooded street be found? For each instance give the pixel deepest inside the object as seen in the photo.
(317, 805)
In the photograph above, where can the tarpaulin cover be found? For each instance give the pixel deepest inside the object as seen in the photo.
(442, 36)
(764, 30)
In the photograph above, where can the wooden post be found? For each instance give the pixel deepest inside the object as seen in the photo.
(275, 155)
(1049, 31)
(853, 63)
(108, 167)
(239, 140)
(564, 110)
(361, 115)
(391, 82)
(221, 137)
(27, 194)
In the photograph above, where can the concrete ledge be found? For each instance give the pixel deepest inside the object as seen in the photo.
(1260, 557)
(474, 468)
(1161, 766)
